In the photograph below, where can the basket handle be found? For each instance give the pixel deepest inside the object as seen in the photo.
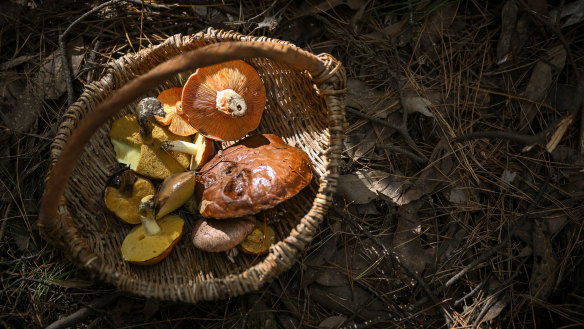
(203, 56)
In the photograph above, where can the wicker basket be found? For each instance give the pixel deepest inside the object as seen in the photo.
(304, 106)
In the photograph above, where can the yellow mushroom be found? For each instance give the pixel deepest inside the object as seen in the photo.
(138, 145)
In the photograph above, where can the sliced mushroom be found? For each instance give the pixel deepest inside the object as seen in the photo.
(123, 195)
(152, 241)
(224, 101)
(146, 158)
(253, 175)
(216, 236)
(258, 242)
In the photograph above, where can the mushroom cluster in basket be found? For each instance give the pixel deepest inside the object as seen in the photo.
(168, 149)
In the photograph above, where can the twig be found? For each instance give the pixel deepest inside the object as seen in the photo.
(14, 261)
(407, 153)
(83, 312)
(395, 258)
(514, 137)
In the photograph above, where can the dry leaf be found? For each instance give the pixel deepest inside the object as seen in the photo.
(437, 172)
(20, 105)
(435, 27)
(50, 80)
(270, 22)
(417, 104)
(359, 144)
(457, 196)
(370, 101)
(381, 183)
(543, 276)
(539, 82)
(354, 190)
(333, 322)
(508, 176)
(574, 11)
(508, 20)
(558, 134)
(407, 243)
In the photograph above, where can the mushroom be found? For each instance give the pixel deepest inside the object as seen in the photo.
(123, 194)
(175, 118)
(201, 150)
(152, 241)
(254, 174)
(258, 242)
(173, 192)
(137, 144)
(219, 235)
(225, 101)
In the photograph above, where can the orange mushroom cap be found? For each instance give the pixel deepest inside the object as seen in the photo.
(224, 101)
(175, 117)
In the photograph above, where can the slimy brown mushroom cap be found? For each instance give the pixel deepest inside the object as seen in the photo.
(255, 174)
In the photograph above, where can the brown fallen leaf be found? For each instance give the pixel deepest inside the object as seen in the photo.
(435, 174)
(369, 100)
(50, 80)
(354, 190)
(543, 277)
(508, 22)
(418, 104)
(539, 83)
(437, 25)
(574, 11)
(407, 243)
(385, 185)
(334, 321)
(21, 106)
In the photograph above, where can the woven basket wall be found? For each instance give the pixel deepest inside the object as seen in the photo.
(306, 111)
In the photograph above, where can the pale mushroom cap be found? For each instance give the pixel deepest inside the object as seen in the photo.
(199, 100)
(216, 236)
(253, 175)
(143, 249)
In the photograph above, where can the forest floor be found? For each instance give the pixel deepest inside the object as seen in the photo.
(464, 160)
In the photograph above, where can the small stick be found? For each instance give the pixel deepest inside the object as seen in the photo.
(83, 312)
(407, 153)
(523, 139)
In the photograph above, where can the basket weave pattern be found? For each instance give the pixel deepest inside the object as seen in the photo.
(310, 118)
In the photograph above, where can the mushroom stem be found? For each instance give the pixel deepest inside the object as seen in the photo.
(147, 215)
(231, 103)
(147, 109)
(180, 146)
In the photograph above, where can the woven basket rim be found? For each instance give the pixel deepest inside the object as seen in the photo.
(331, 85)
